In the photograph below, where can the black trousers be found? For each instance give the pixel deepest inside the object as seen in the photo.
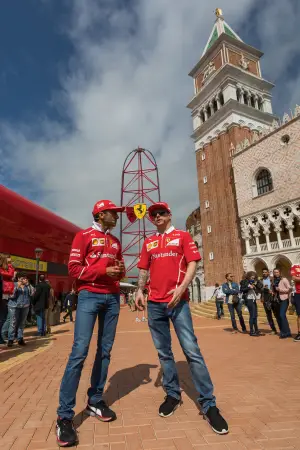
(275, 307)
(69, 314)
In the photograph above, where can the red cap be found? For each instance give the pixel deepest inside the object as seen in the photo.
(159, 205)
(105, 205)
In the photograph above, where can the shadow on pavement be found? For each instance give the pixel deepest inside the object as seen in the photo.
(31, 345)
(185, 380)
(121, 384)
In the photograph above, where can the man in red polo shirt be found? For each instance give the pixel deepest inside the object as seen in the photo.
(295, 272)
(96, 263)
(169, 259)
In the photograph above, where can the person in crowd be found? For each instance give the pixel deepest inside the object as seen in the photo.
(295, 273)
(7, 273)
(219, 298)
(271, 307)
(40, 303)
(51, 307)
(281, 289)
(18, 306)
(68, 306)
(251, 288)
(131, 303)
(97, 264)
(171, 255)
(231, 290)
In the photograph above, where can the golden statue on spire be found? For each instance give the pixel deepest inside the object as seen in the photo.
(219, 12)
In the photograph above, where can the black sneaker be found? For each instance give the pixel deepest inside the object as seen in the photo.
(101, 411)
(297, 338)
(216, 421)
(168, 407)
(10, 343)
(21, 342)
(65, 433)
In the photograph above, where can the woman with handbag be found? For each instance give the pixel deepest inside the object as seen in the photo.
(251, 289)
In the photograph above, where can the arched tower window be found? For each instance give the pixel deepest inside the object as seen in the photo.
(264, 182)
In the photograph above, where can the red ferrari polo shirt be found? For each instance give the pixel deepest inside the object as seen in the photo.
(166, 257)
(295, 272)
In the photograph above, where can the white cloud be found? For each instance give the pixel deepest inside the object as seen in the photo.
(127, 86)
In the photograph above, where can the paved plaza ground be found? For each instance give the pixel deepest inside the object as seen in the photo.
(257, 384)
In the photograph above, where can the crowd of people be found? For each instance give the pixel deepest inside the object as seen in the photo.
(275, 292)
(21, 303)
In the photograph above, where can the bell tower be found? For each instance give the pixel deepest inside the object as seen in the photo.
(232, 101)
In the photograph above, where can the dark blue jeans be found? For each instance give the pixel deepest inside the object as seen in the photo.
(232, 307)
(159, 318)
(252, 307)
(105, 307)
(220, 310)
(283, 322)
(3, 316)
(41, 322)
(17, 322)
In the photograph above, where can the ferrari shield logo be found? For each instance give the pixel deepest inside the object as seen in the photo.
(140, 210)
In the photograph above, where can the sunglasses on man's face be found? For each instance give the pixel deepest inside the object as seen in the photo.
(162, 212)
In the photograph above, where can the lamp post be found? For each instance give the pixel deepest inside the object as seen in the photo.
(38, 255)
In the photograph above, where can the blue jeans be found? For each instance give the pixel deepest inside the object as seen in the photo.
(105, 307)
(220, 310)
(238, 308)
(18, 318)
(41, 322)
(159, 323)
(283, 322)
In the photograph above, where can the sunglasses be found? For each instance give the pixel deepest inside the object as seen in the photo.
(162, 212)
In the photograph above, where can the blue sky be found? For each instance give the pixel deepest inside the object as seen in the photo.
(82, 83)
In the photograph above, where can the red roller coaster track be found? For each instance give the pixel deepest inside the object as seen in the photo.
(140, 185)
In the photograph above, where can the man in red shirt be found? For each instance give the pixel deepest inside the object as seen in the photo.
(169, 259)
(295, 272)
(97, 264)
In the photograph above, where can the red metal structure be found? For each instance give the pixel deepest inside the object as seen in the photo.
(140, 185)
(25, 226)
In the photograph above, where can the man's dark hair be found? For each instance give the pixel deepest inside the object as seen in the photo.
(265, 268)
(42, 277)
(227, 274)
(21, 275)
(217, 285)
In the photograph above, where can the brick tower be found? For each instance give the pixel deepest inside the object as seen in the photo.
(231, 101)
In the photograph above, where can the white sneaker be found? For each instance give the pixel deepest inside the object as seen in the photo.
(144, 319)
(137, 319)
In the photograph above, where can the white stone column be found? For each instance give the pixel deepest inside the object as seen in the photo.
(248, 249)
(292, 237)
(278, 230)
(218, 102)
(267, 234)
(211, 108)
(256, 101)
(242, 96)
(205, 114)
(256, 235)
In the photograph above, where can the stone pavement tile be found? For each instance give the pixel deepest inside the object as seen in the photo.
(101, 428)
(276, 443)
(116, 438)
(250, 444)
(86, 438)
(133, 441)
(194, 436)
(118, 447)
(159, 443)
(182, 444)
(41, 434)
(147, 432)
(211, 447)
(166, 434)
(159, 424)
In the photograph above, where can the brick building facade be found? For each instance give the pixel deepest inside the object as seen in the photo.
(231, 102)
(267, 173)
